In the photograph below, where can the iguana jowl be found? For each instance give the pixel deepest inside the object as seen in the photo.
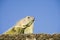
(24, 26)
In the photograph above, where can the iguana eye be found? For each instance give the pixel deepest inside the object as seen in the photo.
(28, 17)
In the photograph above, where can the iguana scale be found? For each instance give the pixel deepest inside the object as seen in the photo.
(24, 26)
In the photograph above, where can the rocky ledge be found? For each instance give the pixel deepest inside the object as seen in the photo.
(30, 37)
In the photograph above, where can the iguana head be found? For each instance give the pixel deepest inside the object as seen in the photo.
(27, 21)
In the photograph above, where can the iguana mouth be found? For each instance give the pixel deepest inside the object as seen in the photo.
(28, 24)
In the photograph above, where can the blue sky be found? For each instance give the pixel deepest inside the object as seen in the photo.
(46, 13)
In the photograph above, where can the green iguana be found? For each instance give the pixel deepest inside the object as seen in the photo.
(24, 26)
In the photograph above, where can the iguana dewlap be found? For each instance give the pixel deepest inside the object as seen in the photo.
(24, 26)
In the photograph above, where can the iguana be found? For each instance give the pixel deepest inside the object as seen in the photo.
(24, 26)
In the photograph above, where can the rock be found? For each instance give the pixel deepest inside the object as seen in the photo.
(30, 37)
